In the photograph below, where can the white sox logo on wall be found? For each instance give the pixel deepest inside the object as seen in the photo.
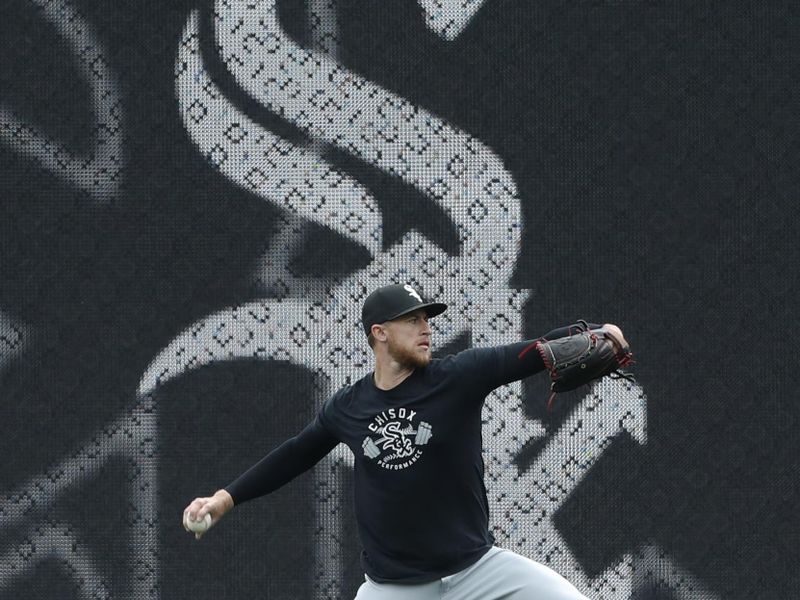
(32, 530)
(313, 322)
(399, 442)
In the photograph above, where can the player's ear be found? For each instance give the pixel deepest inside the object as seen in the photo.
(378, 332)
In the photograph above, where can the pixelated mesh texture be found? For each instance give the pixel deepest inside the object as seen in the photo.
(96, 175)
(454, 170)
(312, 322)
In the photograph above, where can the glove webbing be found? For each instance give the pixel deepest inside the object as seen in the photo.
(623, 358)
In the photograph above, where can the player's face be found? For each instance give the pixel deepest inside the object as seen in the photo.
(409, 339)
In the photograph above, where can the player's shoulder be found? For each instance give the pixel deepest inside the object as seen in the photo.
(345, 396)
(344, 403)
(467, 359)
(443, 364)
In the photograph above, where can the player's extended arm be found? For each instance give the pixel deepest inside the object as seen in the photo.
(295, 456)
(523, 359)
(579, 359)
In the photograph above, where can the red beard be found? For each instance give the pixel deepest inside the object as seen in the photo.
(412, 359)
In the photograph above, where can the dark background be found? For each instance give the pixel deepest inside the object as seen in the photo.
(655, 148)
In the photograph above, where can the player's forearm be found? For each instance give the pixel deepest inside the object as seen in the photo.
(267, 475)
(567, 331)
(279, 467)
(522, 359)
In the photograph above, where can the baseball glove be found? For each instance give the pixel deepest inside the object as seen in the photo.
(578, 359)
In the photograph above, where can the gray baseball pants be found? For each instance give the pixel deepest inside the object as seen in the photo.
(499, 575)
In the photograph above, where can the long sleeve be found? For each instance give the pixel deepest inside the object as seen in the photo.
(567, 331)
(500, 365)
(292, 458)
(522, 359)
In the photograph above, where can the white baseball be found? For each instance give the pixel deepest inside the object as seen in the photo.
(200, 526)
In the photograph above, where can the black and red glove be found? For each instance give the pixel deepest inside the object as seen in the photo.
(581, 358)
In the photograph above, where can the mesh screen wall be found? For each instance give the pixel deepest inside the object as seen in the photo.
(196, 198)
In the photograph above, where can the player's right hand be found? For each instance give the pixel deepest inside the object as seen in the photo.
(216, 506)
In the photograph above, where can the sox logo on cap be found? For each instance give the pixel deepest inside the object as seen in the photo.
(412, 292)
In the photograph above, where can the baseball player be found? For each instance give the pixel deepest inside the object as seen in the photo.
(414, 428)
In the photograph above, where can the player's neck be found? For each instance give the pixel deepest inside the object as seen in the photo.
(389, 373)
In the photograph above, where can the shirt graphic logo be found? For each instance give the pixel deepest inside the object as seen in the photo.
(399, 442)
(412, 292)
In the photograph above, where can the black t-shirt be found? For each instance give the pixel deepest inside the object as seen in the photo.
(419, 492)
(420, 500)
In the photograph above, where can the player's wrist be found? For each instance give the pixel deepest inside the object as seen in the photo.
(225, 498)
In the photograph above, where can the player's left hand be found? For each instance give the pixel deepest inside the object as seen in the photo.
(581, 358)
(617, 338)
